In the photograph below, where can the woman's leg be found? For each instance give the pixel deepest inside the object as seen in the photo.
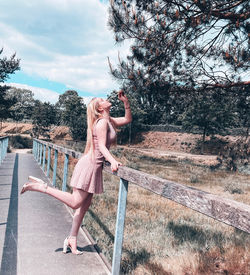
(77, 220)
(79, 214)
(73, 200)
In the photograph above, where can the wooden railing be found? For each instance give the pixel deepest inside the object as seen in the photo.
(3, 147)
(227, 211)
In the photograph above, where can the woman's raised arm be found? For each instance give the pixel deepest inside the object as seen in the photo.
(120, 121)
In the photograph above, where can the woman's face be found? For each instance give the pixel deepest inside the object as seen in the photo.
(104, 104)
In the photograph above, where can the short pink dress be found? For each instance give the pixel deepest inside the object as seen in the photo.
(87, 174)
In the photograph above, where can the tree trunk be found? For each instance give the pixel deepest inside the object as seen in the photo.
(129, 139)
(203, 140)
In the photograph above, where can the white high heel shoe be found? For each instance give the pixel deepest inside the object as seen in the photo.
(34, 180)
(67, 245)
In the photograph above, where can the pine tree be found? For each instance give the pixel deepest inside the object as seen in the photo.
(184, 42)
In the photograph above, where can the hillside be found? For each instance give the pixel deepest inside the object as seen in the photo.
(25, 129)
(163, 145)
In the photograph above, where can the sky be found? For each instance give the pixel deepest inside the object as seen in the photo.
(61, 44)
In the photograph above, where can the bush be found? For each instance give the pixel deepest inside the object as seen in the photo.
(20, 142)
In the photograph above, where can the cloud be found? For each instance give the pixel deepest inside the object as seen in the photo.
(39, 93)
(65, 41)
(43, 94)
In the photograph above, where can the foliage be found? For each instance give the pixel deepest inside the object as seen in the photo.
(243, 107)
(5, 103)
(186, 60)
(22, 109)
(72, 112)
(44, 115)
(7, 66)
(211, 111)
(20, 142)
(193, 43)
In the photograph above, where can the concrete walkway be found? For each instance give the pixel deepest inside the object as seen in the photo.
(33, 227)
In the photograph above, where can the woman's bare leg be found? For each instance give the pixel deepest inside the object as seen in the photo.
(79, 214)
(73, 200)
(77, 220)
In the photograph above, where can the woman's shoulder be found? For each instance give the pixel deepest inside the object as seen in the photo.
(101, 123)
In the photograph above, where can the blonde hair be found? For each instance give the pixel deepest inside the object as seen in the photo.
(93, 114)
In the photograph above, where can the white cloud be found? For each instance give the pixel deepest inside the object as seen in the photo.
(65, 41)
(39, 93)
(43, 94)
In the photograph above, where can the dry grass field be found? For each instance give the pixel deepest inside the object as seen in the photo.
(162, 237)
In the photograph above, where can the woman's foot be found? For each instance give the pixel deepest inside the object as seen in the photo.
(70, 242)
(40, 187)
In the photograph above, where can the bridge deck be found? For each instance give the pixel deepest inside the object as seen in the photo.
(33, 227)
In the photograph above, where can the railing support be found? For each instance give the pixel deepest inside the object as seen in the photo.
(48, 161)
(120, 221)
(65, 172)
(3, 147)
(54, 168)
(44, 156)
(41, 152)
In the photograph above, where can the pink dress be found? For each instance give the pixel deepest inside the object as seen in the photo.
(87, 174)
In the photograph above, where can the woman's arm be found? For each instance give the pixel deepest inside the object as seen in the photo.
(120, 121)
(101, 132)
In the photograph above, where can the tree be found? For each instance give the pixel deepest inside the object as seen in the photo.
(22, 109)
(243, 107)
(73, 114)
(7, 66)
(211, 112)
(44, 115)
(192, 43)
(5, 104)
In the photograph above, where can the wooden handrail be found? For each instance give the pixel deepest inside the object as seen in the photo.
(225, 210)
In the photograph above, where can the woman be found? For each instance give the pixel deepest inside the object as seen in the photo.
(87, 176)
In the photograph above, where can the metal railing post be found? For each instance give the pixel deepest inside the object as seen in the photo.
(65, 172)
(44, 156)
(33, 147)
(54, 168)
(48, 161)
(120, 221)
(41, 152)
(5, 147)
(1, 150)
(37, 151)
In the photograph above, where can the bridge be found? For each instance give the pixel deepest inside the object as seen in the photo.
(33, 226)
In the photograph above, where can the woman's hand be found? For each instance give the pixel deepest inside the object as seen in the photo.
(122, 96)
(115, 165)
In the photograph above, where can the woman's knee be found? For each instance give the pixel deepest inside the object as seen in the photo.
(76, 204)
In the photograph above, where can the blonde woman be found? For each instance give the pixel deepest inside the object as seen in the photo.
(87, 175)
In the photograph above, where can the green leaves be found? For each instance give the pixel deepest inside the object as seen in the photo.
(72, 112)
